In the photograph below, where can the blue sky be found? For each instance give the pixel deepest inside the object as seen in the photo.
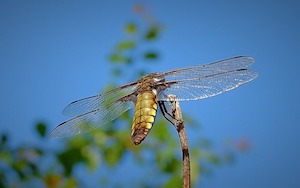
(54, 52)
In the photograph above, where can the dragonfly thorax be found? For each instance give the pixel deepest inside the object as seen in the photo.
(149, 83)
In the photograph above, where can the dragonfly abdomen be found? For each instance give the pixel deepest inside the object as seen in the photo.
(144, 116)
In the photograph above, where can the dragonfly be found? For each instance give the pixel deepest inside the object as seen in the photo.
(147, 93)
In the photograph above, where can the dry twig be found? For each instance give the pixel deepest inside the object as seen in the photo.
(179, 125)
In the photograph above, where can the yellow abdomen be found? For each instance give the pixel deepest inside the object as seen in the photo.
(144, 116)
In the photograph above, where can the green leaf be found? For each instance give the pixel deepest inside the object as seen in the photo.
(116, 58)
(70, 183)
(171, 165)
(119, 58)
(126, 45)
(6, 156)
(3, 140)
(152, 33)
(113, 154)
(214, 159)
(161, 130)
(195, 168)
(81, 140)
(175, 181)
(69, 158)
(41, 129)
(2, 179)
(34, 168)
(151, 55)
(19, 167)
(131, 28)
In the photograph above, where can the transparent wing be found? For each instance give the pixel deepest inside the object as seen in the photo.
(92, 103)
(207, 80)
(91, 120)
(201, 71)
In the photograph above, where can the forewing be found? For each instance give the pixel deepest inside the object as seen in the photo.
(208, 80)
(93, 103)
(201, 71)
(91, 120)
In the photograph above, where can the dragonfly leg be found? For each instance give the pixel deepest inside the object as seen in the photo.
(165, 112)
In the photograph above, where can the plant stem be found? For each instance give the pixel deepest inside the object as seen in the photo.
(179, 125)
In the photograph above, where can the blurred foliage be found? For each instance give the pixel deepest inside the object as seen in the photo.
(106, 149)
(41, 129)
